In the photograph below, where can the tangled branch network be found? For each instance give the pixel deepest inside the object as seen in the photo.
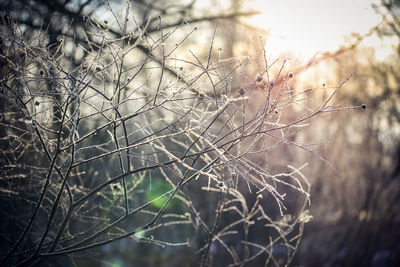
(113, 133)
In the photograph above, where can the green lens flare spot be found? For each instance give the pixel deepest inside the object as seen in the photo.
(158, 188)
(139, 234)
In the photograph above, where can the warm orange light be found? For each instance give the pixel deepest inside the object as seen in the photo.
(303, 28)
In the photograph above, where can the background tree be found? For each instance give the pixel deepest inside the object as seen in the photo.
(356, 218)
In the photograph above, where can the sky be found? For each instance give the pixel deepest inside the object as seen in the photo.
(305, 27)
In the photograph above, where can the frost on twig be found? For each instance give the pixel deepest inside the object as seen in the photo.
(135, 142)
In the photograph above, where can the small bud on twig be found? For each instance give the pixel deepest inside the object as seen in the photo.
(271, 84)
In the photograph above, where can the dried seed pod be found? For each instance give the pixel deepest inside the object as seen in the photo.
(271, 84)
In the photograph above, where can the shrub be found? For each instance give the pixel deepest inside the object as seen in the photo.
(130, 141)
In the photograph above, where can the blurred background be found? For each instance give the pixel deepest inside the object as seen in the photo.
(356, 217)
(355, 200)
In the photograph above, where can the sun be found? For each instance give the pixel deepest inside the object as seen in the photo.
(304, 28)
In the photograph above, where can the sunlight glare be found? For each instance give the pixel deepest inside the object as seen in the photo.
(303, 28)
